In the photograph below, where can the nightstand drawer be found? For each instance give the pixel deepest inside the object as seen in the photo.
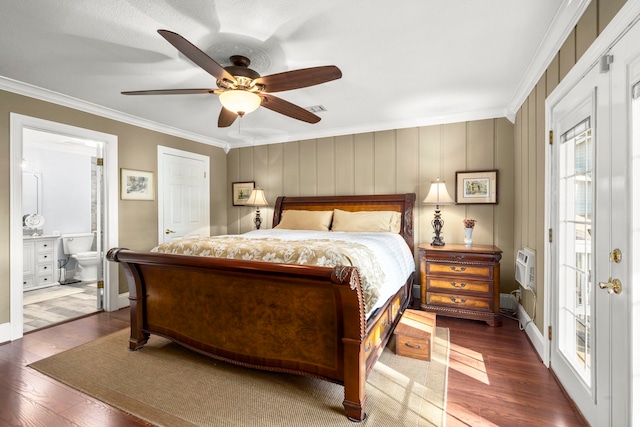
(460, 269)
(453, 300)
(461, 281)
(457, 284)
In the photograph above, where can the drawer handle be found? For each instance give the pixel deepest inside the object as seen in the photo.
(458, 285)
(367, 348)
(458, 300)
(45, 245)
(453, 268)
(45, 268)
(384, 324)
(45, 279)
(417, 346)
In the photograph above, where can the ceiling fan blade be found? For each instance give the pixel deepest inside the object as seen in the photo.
(196, 55)
(281, 106)
(297, 79)
(226, 118)
(168, 92)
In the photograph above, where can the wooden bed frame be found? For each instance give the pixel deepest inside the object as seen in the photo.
(299, 319)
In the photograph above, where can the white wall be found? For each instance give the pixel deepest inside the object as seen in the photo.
(66, 189)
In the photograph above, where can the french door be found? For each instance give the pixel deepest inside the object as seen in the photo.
(590, 250)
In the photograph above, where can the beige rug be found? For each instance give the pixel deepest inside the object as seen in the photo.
(168, 385)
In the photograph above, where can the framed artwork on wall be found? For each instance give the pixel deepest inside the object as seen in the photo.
(241, 192)
(136, 185)
(474, 187)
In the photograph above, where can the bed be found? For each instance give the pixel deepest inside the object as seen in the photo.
(303, 319)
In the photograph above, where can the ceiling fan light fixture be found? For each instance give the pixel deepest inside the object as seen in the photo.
(240, 101)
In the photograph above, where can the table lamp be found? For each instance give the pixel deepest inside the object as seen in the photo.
(438, 195)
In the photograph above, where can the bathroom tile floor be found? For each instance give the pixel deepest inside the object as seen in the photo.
(59, 303)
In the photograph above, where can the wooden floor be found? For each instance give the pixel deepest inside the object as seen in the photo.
(495, 379)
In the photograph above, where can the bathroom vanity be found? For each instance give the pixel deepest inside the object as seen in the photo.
(39, 262)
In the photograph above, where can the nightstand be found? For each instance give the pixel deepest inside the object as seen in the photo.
(461, 281)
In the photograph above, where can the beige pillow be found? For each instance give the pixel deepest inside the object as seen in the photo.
(305, 220)
(366, 221)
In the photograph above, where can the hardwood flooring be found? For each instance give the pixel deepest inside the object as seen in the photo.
(495, 379)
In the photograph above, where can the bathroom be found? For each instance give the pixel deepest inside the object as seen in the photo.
(60, 201)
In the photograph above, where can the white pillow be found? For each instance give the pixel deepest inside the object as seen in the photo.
(366, 221)
(292, 219)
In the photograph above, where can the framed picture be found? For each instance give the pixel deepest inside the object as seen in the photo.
(477, 187)
(241, 192)
(136, 185)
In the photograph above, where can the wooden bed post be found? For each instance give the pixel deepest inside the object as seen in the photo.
(355, 351)
(138, 338)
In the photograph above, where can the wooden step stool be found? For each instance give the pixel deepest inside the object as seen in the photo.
(414, 334)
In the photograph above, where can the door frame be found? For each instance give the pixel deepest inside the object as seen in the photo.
(624, 20)
(162, 150)
(619, 25)
(18, 122)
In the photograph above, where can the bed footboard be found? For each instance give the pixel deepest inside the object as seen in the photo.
(305, 320)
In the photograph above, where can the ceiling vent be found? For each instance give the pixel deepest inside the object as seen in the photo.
(316, 109)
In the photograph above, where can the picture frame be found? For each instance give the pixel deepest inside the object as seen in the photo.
(241, 191)
(477, 187)
(136, 185)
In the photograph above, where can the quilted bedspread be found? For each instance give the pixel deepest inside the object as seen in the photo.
(296, 248)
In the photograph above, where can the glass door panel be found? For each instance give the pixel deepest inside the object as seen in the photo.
(575, 220)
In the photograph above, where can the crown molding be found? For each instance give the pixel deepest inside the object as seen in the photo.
(378, 127)
(41, 94)
(563, 23)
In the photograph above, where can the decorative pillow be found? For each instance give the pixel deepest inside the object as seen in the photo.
(305, 220)
(366, 221)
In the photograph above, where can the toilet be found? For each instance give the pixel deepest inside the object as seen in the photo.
(79, 246)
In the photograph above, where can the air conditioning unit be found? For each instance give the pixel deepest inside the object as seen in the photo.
(525, 269)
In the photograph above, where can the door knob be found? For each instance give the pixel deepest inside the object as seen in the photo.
(613, 285)
(168, 231)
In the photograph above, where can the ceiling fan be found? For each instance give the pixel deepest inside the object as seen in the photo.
(241, 89)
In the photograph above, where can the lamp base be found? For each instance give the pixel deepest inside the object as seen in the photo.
(437, 241)
(437, 223)
(258, 219)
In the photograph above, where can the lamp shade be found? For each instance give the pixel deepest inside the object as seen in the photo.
(240, 101)
(438, 194)
(257, 198)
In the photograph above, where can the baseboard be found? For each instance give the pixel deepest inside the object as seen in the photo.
(535, 336)
(123, 300)
(509, 303)
(5, 332)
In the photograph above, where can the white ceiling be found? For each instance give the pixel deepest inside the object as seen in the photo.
(404, 63)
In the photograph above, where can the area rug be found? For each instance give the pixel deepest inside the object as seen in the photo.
(166, 384)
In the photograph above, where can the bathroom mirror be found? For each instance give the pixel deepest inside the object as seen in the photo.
(31, 193)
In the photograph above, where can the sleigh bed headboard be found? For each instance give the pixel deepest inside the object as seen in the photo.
(402, 203)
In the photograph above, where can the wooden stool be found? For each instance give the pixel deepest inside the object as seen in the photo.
(414, 334)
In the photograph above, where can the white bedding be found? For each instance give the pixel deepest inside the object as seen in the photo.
(392, 253)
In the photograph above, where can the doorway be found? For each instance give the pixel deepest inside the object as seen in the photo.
(106, 195)
(61, 176)
(593, 204)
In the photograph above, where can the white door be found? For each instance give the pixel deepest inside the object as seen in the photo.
(590, 220)
(183, 195)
